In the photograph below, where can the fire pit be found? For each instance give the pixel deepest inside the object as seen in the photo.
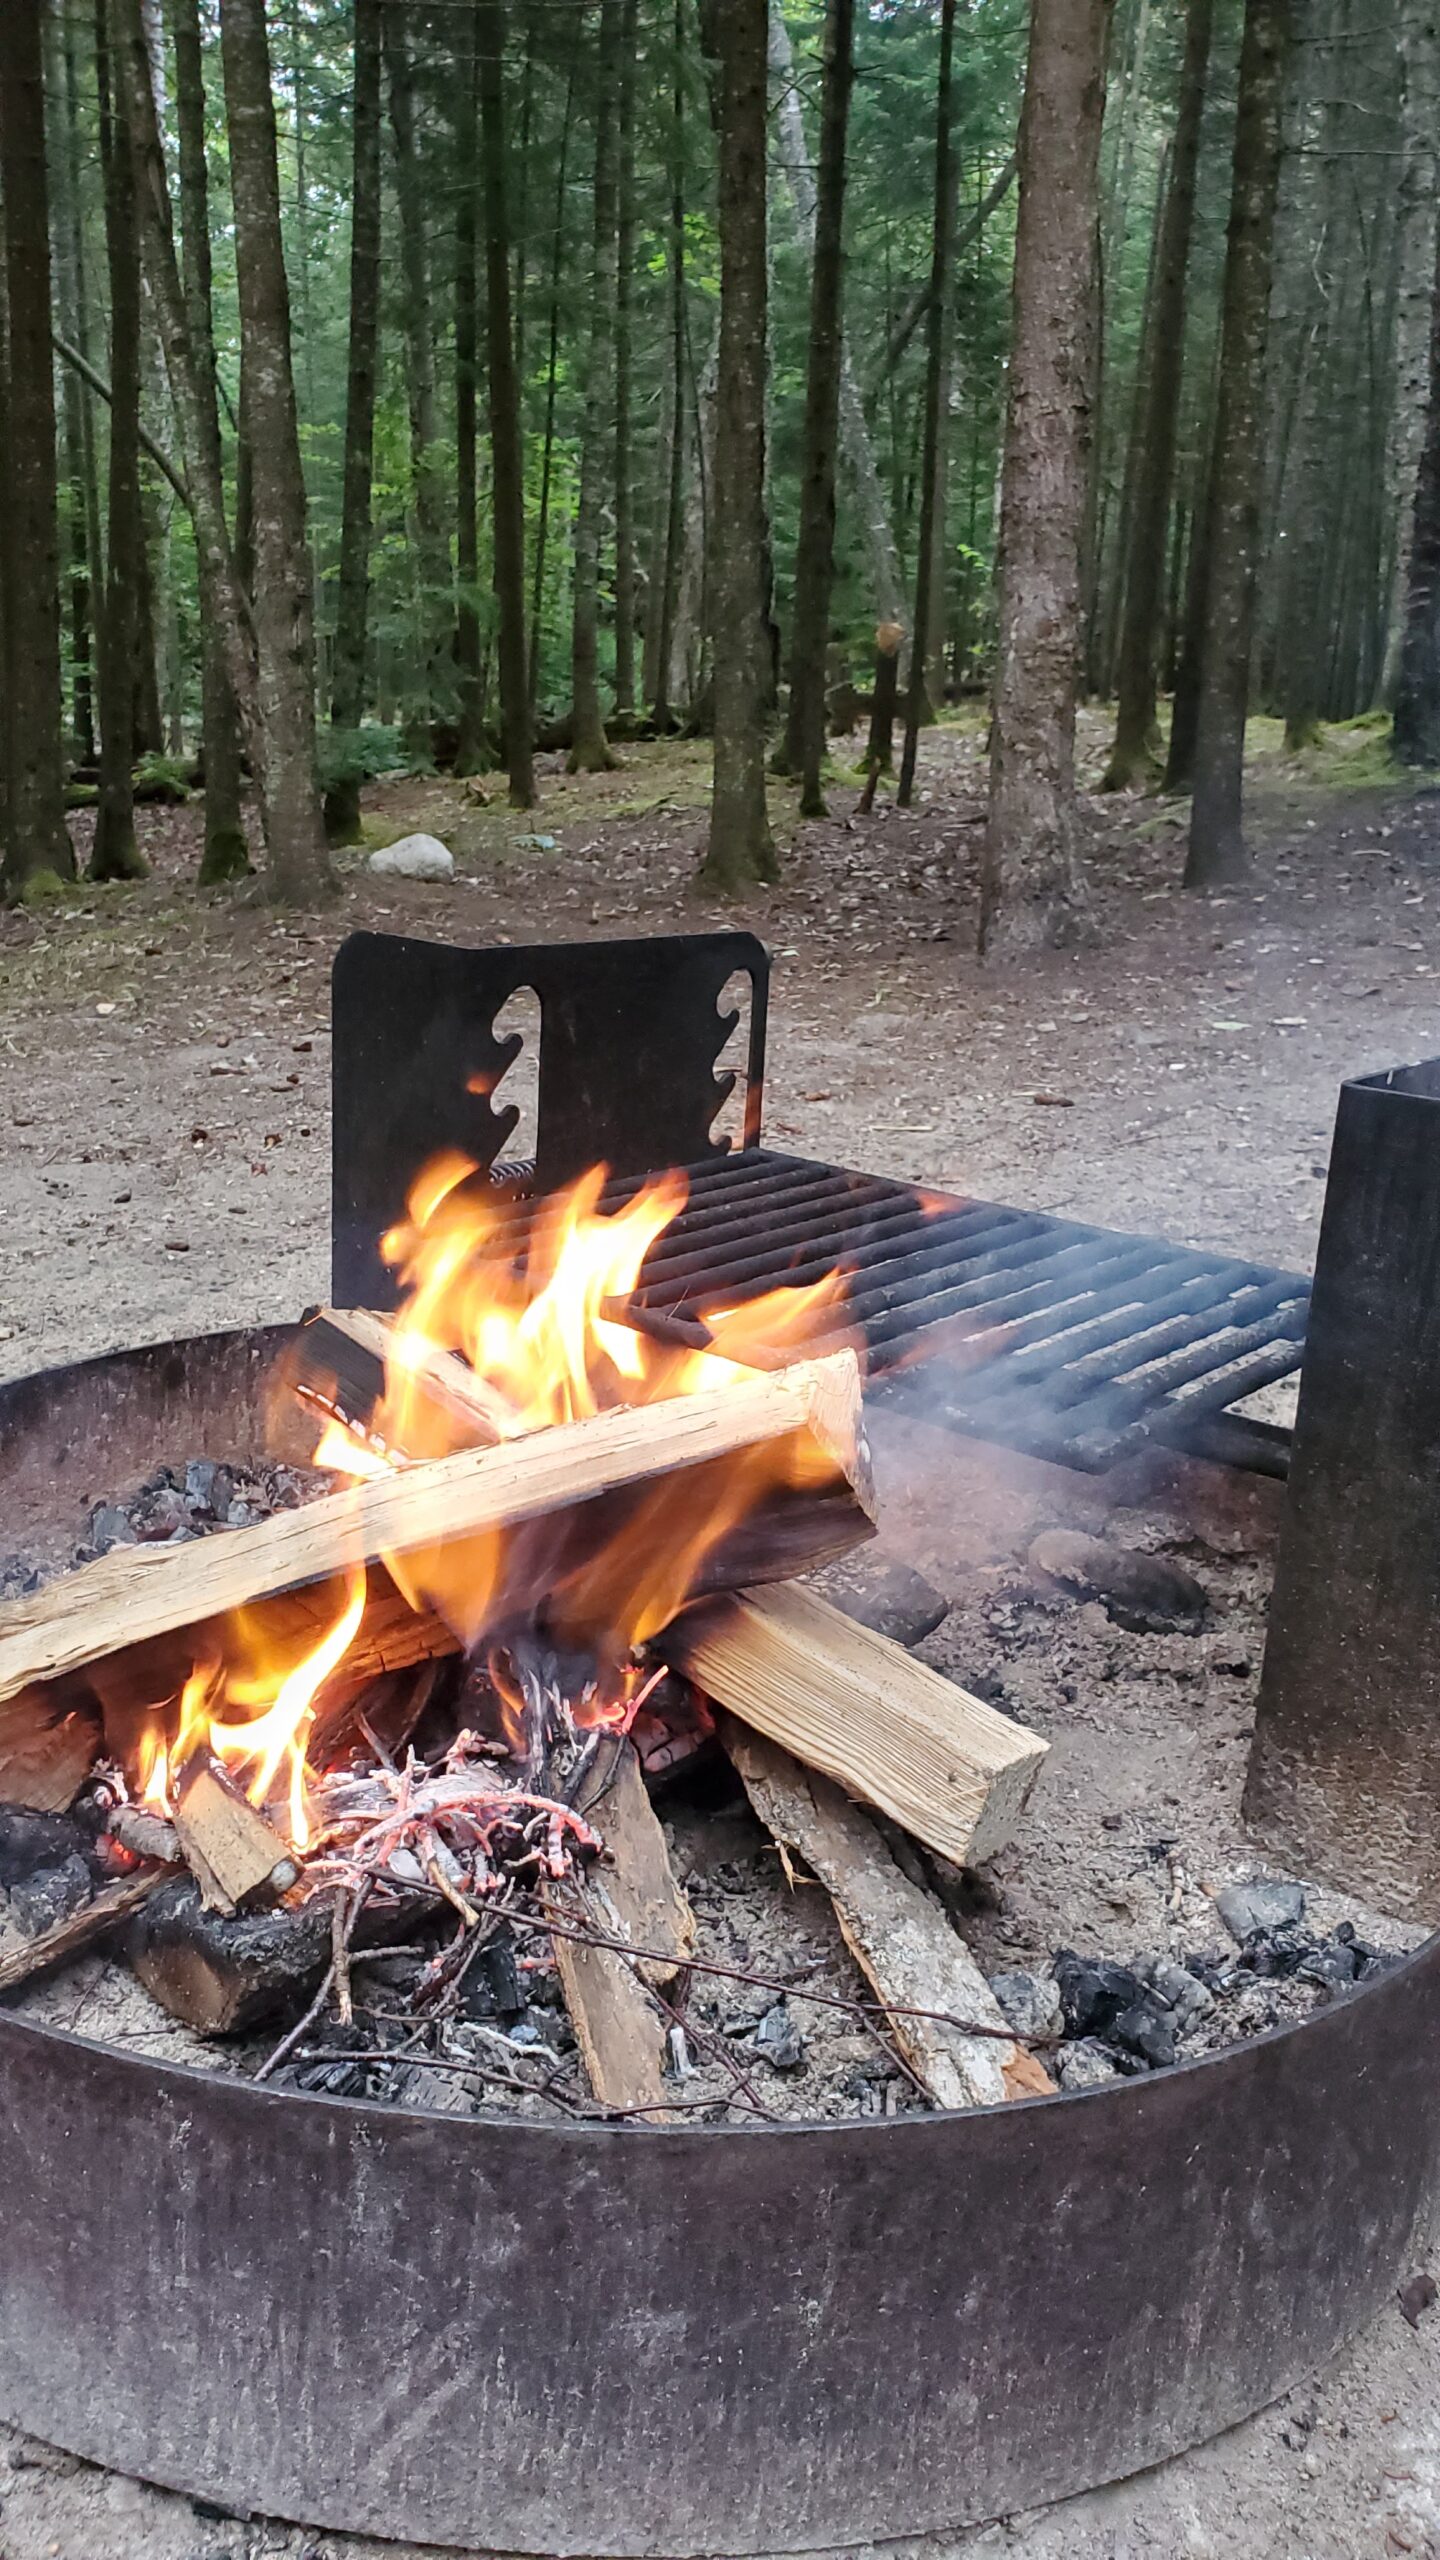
(655, 2336)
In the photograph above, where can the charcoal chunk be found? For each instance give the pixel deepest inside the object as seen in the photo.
(1333, 1966)
(209, 1487)
(111, 1527)
(50, 1895)
(778, 2040)
(1093, 1993)
(1146, 2029)
(1147, 1594)
(897, 1602)
(1086, 2065)
(29, 1841)
(1031, 2003)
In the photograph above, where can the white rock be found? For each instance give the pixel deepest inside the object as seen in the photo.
(416, 857)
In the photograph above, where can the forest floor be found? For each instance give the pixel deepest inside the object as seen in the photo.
(164, 1108)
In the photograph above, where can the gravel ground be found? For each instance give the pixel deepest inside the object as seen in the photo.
(163, 1094)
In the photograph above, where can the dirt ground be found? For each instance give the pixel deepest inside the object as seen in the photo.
(164, 1107)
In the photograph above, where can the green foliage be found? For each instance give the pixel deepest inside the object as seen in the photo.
(362, 755)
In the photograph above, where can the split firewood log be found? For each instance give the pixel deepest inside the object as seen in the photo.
(631, 1894)
(595, 1473)
(844, 1699)
(902, 1941)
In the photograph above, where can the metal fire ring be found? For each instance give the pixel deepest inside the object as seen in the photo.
(665, 2339)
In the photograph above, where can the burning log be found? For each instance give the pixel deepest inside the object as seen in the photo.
(339, 1366)
(46, 1751)
(809, 1414)
(631, 1895)
(852, 1704)
(218, 1975)
(899, 1937)
(234, 1854)
(83, 1928)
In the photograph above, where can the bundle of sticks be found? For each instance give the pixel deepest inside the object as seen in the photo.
(844, 1741)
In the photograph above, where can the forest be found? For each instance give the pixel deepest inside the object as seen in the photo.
(426, 386)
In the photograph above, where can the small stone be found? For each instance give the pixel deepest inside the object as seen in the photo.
(51, 1895)
(1260, 1908)
(417, 857)
(1031, 2003)
(1093, 1993)
(1148, 1594)
(111, 1527)
(778, 2040)
(1086, 2065)
(1416, 2295)
(1146, 2028)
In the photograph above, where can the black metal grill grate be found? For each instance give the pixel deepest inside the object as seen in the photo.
(1068, 1341)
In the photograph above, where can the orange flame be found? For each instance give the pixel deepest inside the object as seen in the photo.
(542, 1343)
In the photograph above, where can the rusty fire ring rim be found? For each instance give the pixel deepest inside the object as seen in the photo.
(1254, 2157)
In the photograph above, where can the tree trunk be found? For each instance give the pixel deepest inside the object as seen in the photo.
(1417, 698)
(589, 747)
(552, 381)
(1419, 34)
(284, 625)
(1031, 888)
(432, 542)
(815, 551)
(739, 849)
(36, 842)
(665, 576)
(1217, 850)
(114, 853)
(470, 741)
(887, 581)
(916, 705)
(352, 603)
(624, 296)
(64, 86)
(1132, 757)
(226, 635)
(507, 462)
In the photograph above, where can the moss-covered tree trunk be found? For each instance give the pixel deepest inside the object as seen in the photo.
(1132, 757)
(739, 849)
(589, 746)
(815, 549)
(1217, 850)
(298, 870)
(114, 853)
(36, 841)
(507, 459)
(352, 600)
(225, 634)
(1032, 891)
(1417, 696)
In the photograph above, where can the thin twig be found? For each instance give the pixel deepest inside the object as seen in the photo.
(287, 2043)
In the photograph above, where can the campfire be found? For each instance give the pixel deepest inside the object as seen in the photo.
(551, 1550)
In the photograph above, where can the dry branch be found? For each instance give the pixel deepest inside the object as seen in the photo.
(134, 1594)
(849, 1702)
(898, 1935)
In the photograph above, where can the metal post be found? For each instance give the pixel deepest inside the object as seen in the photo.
(1344, 1777)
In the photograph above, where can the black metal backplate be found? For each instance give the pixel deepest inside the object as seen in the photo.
(629, 1036)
